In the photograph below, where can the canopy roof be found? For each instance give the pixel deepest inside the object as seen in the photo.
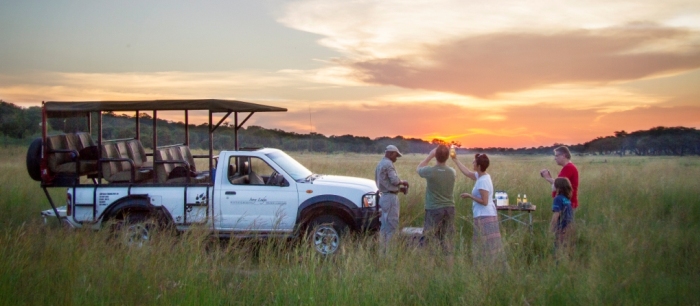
(203, 104)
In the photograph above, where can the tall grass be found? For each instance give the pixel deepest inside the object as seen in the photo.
(636, 244)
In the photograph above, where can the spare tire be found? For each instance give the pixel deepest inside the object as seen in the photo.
(34, 159)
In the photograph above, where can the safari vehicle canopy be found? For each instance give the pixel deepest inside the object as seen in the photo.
(61, 160)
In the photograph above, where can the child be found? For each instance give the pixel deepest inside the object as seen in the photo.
(562, 216)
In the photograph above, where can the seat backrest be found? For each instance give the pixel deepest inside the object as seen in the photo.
(162, 169)
(109, 150)
(74, 141)
(175, 154)
(187, 156)
(255, 179)
(136, 152)
(85, 139)
(231, 170)
(58, 142)
(123, 149)
(243, 167)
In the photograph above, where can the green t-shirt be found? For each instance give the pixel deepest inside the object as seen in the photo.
(441, 185)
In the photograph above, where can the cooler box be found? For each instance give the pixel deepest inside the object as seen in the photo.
(500, 198)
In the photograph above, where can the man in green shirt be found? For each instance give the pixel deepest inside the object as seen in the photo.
(439, 198)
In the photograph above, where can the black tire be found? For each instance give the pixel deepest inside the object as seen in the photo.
(34, 160)
(326, 233)
(135, 230)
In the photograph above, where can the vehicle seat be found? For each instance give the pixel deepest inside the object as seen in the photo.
(187, 156)
(255, 179)
(235, 177)
(166, 161)
(63, 156)
(120, 170)
(231, 170)
(138, 154)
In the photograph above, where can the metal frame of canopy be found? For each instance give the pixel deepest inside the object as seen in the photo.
(73, 109)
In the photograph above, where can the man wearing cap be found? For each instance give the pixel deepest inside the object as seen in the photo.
(389, 184)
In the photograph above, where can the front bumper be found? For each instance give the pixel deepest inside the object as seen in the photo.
(367, 219)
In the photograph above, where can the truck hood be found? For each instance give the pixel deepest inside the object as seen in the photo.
(336, 180)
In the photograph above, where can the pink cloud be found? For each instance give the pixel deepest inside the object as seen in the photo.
(486, 65)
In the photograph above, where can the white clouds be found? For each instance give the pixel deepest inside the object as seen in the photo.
(382, 29)
(503, 53)
(157, 85)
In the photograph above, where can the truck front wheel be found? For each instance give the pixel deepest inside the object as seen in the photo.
(326, 233)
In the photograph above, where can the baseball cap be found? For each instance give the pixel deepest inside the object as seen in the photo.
(393, 148)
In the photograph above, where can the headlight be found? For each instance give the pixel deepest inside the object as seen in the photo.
(369, 200)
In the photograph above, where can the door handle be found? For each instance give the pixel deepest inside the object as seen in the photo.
(230, 193)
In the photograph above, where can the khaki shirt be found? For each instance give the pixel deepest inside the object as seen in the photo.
(386, 177)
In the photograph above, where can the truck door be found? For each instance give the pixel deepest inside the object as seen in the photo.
(256, 196)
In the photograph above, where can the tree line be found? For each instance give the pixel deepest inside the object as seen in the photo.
(21, 125)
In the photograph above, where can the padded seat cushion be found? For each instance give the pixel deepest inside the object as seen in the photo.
(88, 153)
(86, 167)
(58, 143)
(125, 176)
(138, 154)
(73, 147)
(187, 156)
(255, 179)
(120, 171)
(174, 171)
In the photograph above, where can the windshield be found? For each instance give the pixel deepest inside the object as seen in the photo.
(290, 165)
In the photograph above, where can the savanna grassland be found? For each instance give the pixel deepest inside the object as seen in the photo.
(637, 243)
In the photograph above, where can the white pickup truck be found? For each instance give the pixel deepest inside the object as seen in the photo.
(256, 192)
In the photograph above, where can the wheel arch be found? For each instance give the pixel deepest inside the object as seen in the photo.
(136, 204)
(325, 205)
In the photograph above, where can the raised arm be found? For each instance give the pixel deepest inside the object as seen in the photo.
(464, 169)
(426, 161)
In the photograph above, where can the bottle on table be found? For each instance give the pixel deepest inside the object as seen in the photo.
(519, 201)
(525, 204)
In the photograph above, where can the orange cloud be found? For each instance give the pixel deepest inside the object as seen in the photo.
(486, 65)
(522, 126)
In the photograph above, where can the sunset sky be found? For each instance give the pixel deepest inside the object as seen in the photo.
(485, 73)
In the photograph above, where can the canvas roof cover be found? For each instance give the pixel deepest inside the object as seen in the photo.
(214, 105)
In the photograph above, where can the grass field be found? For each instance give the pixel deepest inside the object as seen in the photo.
(637, 244)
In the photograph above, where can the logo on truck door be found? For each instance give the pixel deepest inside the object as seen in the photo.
(259, 201)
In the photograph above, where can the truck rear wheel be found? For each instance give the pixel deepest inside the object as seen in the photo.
(326, 233)
(135, 230)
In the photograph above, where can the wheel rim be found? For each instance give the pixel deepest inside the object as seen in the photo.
(326, 239)
(137, 235)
